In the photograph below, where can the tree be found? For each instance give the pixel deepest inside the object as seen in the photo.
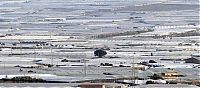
(100, 53)
(152, 61)
(151, 54)
(150, 82)
(155, 77)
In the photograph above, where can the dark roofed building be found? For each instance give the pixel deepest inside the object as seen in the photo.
(192, 60)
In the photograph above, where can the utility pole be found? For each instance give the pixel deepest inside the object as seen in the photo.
(5, 70)
(20, 42)
(51, 56)
(133, 71)
(84, 61)
(85, 68)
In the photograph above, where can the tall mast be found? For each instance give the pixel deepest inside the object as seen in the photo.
(51, 52)
(85, 68)
(133, 71)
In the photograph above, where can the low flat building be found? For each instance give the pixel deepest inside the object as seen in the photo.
(102, 85)
(167, 86)
(171, 75)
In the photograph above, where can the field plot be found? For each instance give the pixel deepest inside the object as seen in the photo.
(90, 43)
